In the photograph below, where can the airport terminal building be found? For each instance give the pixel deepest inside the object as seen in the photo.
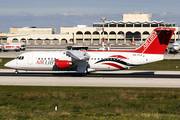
(133, 29)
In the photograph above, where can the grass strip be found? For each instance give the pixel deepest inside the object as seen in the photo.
(4, 61)
(79, 103)
(164, 65)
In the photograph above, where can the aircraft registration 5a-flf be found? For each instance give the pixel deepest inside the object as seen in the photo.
(84, 61)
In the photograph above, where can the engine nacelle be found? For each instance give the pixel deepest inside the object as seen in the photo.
(62, 63)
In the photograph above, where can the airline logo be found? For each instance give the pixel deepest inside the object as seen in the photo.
(40, 62)
(150, 40)
(45, 62)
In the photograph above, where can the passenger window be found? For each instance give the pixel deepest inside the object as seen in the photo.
(48, 58)
(41, 58)
(38, 58)
(94, 58)
(44, 58)
(91, 58)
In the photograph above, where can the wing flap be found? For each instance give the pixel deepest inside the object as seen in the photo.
(78, 55)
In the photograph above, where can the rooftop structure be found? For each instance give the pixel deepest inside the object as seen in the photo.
(135, 20)
(32, 30)
(137, 17)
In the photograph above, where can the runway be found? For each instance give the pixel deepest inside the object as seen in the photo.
(99, 79)
(147, 74)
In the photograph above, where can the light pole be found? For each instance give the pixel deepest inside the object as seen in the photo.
(103, 19)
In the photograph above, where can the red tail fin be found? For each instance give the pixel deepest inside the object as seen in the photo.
(157, 42)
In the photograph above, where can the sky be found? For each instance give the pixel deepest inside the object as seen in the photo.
(70, 13)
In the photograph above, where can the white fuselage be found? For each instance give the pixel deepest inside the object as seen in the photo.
(99, 60)
(176, 46)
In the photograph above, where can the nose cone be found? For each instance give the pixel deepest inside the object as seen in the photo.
(175, 48)
(11, 64)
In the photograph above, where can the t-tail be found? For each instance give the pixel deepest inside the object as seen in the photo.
(157, 42)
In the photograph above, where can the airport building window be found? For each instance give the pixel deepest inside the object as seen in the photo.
(146, 25)
(154, 25)
(112, 25)
(137, 25)
(121, 25)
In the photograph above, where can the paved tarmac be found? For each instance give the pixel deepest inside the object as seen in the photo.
(98, 79)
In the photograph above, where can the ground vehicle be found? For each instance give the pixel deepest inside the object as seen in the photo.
(13, 47)
(23, 47)
(10, 47)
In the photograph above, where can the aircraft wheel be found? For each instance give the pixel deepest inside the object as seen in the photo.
(16, 72)
(87, 72)
(81, 74)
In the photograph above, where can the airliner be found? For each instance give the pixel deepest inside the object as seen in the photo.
(85, 61)
(175, 47)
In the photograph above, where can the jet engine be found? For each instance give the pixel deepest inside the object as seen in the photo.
(62, 63)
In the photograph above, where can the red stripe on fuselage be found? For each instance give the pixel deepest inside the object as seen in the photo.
(114, 65)
(118, 56)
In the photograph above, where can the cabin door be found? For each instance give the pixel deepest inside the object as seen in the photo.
(30, 59)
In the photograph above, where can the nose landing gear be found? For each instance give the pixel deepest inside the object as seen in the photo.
(16, 72)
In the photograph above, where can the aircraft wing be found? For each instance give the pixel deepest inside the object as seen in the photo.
(78, 55)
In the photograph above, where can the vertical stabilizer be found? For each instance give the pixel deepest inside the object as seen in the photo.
(157, 42)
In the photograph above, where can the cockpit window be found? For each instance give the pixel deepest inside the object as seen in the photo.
(175, 45)
(20, 57)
